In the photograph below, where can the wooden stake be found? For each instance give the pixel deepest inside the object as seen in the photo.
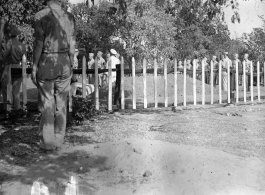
(244, 81)
(84, 77)
(175, 82)
(96, 85)
(194, 81)
(203, 83)
(24, 82)
(220, 82)
(258, 80)
(251, 82)
(155, 80)
(133, 78)
(185, 84)
(122, 85)
(211, 76)
(165, 81)
(110, 85)
(144, 81)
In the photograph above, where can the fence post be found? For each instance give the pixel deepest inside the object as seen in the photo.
(175, 82)
(155, 80)
(165, 83)
(203, 83)
(122, 85)
(228, 83)
(117, 86)
(220, 82)
(24, 83)
(144, 81)
(251, 81)
(244, 81)
(9, 98)
(211, 76)
(185, 84)
(96, 85)
(258, 80)
(237, 77)
(194, 81)
(133, 79)
(84, 77)
(110, 85)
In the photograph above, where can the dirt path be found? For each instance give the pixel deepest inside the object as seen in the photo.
(195, 151)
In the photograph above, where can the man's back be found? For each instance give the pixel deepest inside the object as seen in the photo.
(54, 26)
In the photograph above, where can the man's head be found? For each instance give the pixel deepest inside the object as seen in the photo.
(225, 54)
(108, 55)
(90, 55)
(99, 54)
(245, 56)
(113, 52)
(235, 56)
(213, 58)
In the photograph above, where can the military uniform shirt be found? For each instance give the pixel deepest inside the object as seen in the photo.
(54, 27)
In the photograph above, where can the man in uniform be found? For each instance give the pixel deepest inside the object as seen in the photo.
(91, 65)
(101, 64)
(53, 56)
(215, 68)
(11, 58)
(248, 65)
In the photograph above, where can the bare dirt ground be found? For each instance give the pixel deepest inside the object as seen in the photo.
(208, 150)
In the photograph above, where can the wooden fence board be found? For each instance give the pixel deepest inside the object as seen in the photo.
(175, 82)
(258, 80)
(194, 81)
(133, 84)
(185, 84)
(24, 83)
(251, 82)
(220, 83)
(84, 77)
(122, 85)
(244, 81)
(165, 82)
(144, 82)
(155, 84)
(110, 85)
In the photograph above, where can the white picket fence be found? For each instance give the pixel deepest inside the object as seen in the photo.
(120, 93)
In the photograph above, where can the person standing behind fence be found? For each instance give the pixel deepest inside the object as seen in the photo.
(206, 68)
(101, 64)
(11, 58)
(240, 68)
(247, 64)
(91, 65)
(114, 61)
(53, 56)
(225, 63)
(215, 70)
(74, 79)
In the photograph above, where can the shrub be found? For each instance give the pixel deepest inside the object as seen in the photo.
(82, 109)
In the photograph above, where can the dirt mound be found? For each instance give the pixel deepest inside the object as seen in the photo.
(161, 88)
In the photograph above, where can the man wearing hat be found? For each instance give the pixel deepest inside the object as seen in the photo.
(53, 58)
(11, 58)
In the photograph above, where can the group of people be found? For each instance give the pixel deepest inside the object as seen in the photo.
(112, 58)
(225, 63)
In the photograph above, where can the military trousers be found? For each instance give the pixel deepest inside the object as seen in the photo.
(16, 86)
(53, 77)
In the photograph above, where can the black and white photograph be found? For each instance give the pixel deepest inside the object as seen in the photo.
(132, 97)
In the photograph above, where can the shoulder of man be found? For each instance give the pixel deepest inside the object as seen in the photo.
(42, 13)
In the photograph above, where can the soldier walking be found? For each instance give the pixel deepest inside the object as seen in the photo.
(53, 57)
